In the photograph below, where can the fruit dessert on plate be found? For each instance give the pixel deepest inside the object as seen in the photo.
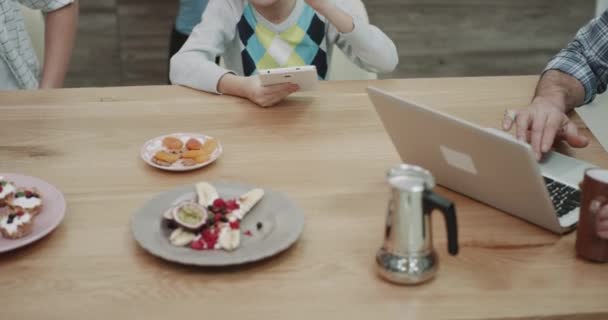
(7, 190)
(27, 200)
(16, 225)
(210, 222)
(18, 209)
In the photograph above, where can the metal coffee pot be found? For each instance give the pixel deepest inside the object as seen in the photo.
(407, 255)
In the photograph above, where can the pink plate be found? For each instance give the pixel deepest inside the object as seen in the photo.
(53, 210)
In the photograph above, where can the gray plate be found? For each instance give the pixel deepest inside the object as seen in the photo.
(282, 222)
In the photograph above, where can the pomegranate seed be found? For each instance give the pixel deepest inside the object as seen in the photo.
(210, 234)
(232, 205)
(235, 225)
(219, 203)
(196, 245)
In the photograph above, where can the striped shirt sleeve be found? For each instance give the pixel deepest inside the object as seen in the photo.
(586, 57)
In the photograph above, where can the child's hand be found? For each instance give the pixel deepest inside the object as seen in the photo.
(267, 96)
(336, 16)
(316, 4)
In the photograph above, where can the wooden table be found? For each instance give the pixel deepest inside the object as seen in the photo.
(329, 152)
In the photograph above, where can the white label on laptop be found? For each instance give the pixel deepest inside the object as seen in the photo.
(458, 160)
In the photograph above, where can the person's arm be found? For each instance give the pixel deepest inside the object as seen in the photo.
(341, 20)
(545, 119)
(562, 90)
(60, 32)
(572, 78)
(586, 58)
(366, 45)
(61, 19)
(194, 65)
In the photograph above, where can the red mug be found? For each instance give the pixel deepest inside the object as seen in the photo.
(594, 196)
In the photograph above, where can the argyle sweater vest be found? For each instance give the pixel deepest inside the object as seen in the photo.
(301, 44)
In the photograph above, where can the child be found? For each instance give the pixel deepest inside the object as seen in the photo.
(19, 68)
(264, 34)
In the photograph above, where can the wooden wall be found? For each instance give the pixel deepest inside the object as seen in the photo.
(124, 42)
(477, 37)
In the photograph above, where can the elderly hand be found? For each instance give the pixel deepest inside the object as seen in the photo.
(541, 123)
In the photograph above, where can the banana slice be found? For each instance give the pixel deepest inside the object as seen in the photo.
(229, 239)
(175, 234)
(180, 237)
(247, 202)
(206, 193)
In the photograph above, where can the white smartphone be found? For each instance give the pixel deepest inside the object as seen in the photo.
(305, 77)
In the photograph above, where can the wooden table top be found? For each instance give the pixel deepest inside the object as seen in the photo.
(328, 151)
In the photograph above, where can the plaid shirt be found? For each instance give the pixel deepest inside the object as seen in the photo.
(586, 57)
(15, 45)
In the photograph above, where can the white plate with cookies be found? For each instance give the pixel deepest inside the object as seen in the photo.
(181, 151)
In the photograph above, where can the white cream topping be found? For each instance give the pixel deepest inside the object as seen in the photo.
(7, 189)
(26, 203)
(229, 239)
(17, 222)
(238, 214)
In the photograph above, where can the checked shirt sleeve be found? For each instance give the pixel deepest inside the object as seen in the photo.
(46, 5)
(586, 57)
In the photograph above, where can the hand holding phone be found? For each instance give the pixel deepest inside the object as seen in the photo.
(305, 77)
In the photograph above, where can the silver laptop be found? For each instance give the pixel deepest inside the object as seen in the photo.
(485, 164)
(595, 116)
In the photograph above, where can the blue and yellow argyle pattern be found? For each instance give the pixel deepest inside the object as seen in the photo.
(301, 44)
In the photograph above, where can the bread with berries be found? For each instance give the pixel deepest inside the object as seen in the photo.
(16, 225)
(7, 190)
(27, 200)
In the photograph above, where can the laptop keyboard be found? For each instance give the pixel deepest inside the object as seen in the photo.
(565, 198)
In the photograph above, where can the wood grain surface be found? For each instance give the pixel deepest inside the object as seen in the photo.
(329, 152)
